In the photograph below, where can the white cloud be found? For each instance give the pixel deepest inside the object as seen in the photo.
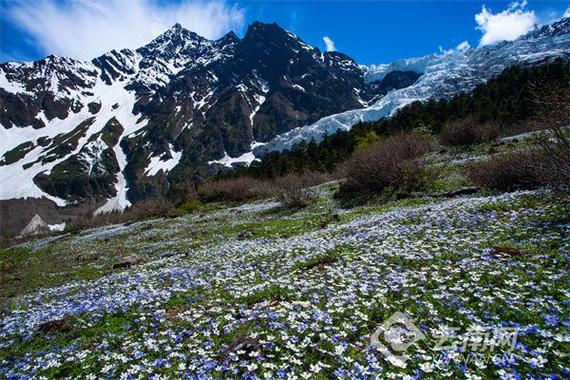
(506, 25)
(87, 28)
(463, 46)
(329, 43)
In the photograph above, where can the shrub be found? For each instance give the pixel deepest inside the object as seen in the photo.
(293, 190)
(147, 208)
(468, 132)
(505, 172)
(396, 163)
(150, 207)
(546, 163)
(237, 189)
(554, 169)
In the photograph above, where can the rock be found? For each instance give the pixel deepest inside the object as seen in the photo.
(173, 314)
(164, 255)
(242, 343)
(36, 226)
(94, 107)
(456, 193)
(126, 262)
(403, 195)
(56, 326)
(509, 251)
(245, 234)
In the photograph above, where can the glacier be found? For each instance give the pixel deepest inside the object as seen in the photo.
(443, 76)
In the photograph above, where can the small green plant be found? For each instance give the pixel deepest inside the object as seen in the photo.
(270, 293)
(191, 205)
(325, 259)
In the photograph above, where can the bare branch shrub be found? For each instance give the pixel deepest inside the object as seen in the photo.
(554, 104)
(294, 190)
(396, 163)
(468, 131)
(232, 190)
(506, 172)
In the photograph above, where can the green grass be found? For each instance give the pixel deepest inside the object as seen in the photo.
(383, 205)
(22, 270)
(450, 177)
(328, 258)
(270, 293)
(276, 227)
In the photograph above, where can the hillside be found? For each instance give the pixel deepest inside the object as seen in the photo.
(259, 290)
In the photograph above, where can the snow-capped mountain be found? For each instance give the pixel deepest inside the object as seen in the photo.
(117, 128)
(443, 76)
(99, 135)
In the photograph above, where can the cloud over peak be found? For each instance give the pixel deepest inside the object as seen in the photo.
(329, 43)
(85, 29)
(507, 25)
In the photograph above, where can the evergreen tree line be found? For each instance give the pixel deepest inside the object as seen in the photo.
(506, 100)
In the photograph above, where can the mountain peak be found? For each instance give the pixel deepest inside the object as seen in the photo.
(258, 28)
(230, 37)
(555, 29)
(174, 40)
(178, 30)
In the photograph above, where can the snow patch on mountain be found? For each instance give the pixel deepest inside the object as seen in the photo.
(131, 124)
(245, 159)
(157, 163)
(12, 87)
(116, 102)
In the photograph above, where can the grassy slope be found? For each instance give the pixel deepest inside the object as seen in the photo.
(308, 286)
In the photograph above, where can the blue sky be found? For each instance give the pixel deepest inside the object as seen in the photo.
(368, 31)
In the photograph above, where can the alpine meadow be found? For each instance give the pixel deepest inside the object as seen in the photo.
(211, 189)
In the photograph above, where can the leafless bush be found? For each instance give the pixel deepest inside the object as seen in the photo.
(507, 171)
(554, 105)
(468, 131)
(89, 220)
(555, 168)
(294, 190)
(147, 208)
(150, 207)
(396, 163)
(544, 164)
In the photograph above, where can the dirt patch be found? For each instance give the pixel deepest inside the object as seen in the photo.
(56, 326)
